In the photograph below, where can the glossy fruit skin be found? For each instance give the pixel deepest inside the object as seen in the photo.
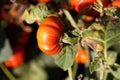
(44, 1)
(48, 35)
(81, 56)
(79, 5)
(116, 3)
(16, 59)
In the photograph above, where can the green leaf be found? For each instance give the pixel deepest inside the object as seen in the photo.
(69, 40)
(96, 26)
(112, 36)
(115, 73)
(37, 12)
(25, 15)
(40, 11)
(28, 17)
(106, 33)
(65, 58)
(112, 11)
(94, 40)
(31, 19)
(95, 32)
(76, 32)
(116, 47)
(95, 64)
(112, 57)
(94, 37)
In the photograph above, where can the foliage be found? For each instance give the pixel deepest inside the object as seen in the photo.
(98, 36)
(66, 57)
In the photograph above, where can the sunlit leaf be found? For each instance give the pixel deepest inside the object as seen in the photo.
(31, 19)
(25, 15)
(37, 12)
(112, 57)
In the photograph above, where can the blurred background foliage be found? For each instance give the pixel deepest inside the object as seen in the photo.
(16, 32)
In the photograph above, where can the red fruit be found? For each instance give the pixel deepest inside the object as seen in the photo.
(16, 59)
(48, 35)
(79, 5)
(81, 56)
(116, 3)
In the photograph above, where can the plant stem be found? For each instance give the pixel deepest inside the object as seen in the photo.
(72, 21)
(75, 68)
(101, 75)
(68, 15)
(105, 75)
(70, 73)
(7, 72)
(105, 52)
(101, 70)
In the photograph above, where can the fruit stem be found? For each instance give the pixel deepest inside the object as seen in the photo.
(7, 72)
